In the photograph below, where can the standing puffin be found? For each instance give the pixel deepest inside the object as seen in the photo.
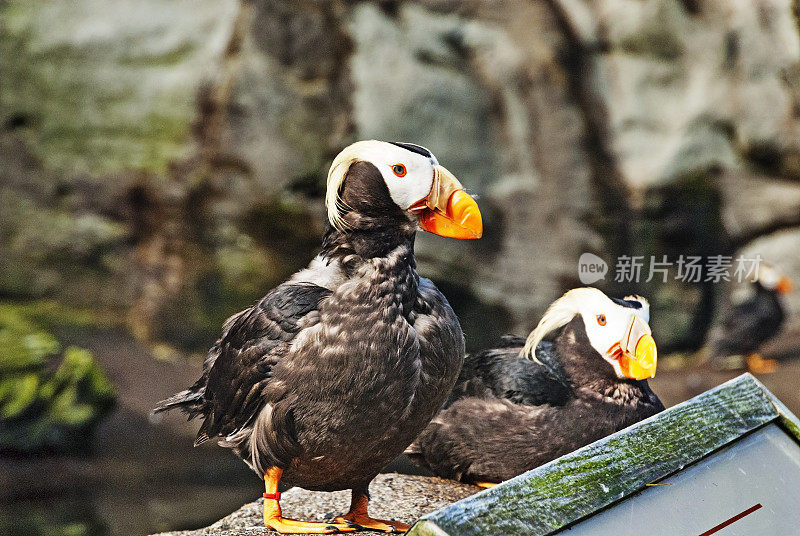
(513, 410)
(334, 372)
(751, 322)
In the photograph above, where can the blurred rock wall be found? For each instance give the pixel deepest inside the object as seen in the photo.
(168, 159)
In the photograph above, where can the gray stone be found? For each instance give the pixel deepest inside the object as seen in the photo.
(109, 89)
(685, 91)
(394, 497)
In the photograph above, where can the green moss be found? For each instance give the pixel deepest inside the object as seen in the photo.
(663, 45)
(17, 395)
(51, 314)
(48, 399)
(22, 345)
(165, 59)
(788, 419)
(792, 425)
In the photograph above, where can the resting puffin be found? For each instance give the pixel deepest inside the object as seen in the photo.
(751, 322)
(334, 372)
(512, 410)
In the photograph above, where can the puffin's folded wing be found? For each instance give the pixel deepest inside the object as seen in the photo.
(501, 373)
(238, 378)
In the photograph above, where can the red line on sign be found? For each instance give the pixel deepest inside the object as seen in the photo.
(734, 519)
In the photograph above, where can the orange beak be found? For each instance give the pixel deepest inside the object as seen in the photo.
(641, 363)
(785, 285)
(637, 352)
(448, 210)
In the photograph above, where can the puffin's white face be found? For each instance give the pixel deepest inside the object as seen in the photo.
(416, 183)
(408, 175)
(620, 334)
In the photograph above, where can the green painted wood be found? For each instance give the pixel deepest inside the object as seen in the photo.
(578, 484)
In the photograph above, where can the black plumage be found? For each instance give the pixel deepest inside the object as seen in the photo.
(334, 372)
(750, 323)
(500, 373)
(509, 414)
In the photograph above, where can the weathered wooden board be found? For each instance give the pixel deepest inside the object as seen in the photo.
(574, 486)
(746, 488)
(788, 420)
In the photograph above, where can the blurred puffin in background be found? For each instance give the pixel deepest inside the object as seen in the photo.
(755, 316)
(333, 373)
(526, 402)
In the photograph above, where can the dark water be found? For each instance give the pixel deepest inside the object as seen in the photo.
(142, 476)
(148, 483)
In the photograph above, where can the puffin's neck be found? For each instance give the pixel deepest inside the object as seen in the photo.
(367, 241)
(589, 373)
(382, 255)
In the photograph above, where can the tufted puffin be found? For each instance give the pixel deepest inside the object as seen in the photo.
(513, 409)
(751, 322)
(334, 372)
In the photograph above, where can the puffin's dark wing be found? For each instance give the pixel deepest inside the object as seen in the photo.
(501, 373)
(440, 336)
(236, 379)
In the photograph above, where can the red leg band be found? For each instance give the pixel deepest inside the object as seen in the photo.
(276, 495)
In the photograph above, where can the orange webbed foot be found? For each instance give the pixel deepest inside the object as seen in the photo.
(363, 521)
(293, 526)
(358, 517)
(274, 519)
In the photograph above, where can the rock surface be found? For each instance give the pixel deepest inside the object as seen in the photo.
(171, 167)
(399, 497)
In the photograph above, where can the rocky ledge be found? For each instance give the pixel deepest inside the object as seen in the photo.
(394, 496)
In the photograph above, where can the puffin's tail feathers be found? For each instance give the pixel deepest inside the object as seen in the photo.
(201, 438)
(188, 401)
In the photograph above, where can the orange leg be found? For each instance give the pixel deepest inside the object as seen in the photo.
(486, 485)
(758, 365)
(272, 512)
(358, 517)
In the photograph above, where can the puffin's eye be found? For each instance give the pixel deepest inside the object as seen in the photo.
(399, 170)
(601, 319)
